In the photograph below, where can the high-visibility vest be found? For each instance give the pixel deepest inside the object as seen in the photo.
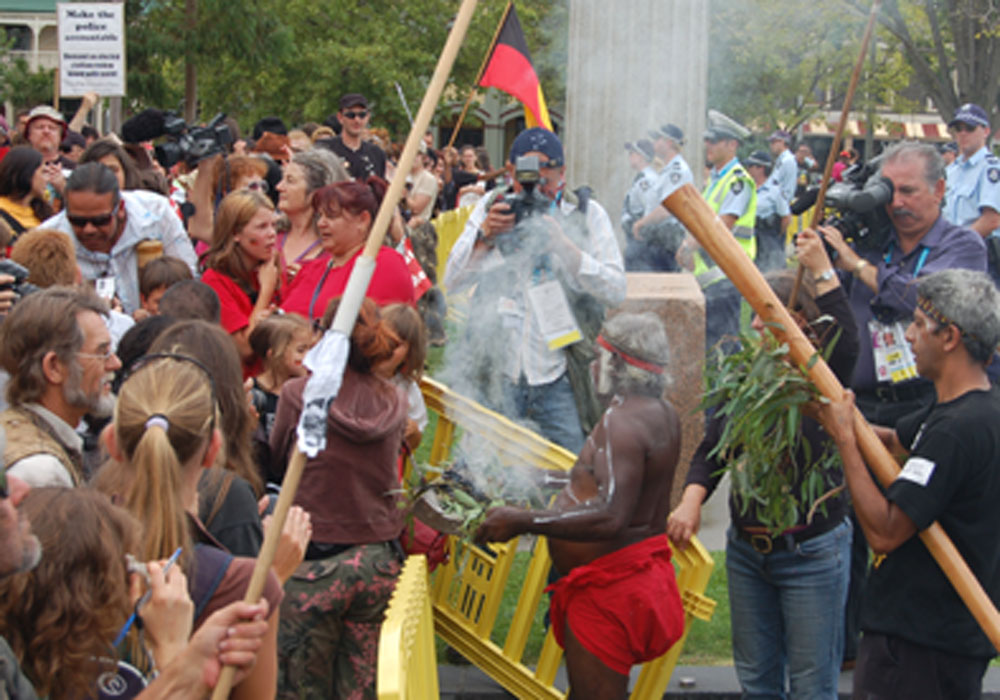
(715, 193)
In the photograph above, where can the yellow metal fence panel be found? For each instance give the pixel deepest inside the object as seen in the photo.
(407, 666)
(449, 225)
(466, 592)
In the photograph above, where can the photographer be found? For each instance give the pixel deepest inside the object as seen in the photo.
(561, 256)
(880, 287)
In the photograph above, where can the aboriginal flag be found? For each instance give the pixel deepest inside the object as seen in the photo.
(509, 68)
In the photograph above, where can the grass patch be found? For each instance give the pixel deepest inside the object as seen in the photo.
(710, 643)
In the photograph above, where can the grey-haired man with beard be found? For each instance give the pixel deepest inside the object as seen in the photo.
(57, 349)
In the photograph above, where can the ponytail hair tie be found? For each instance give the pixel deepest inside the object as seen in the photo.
(158, 420)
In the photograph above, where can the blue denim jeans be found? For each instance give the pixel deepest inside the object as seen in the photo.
(551, 407)
(787, 611)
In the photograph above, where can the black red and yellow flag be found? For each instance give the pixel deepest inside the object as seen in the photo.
(509, 68)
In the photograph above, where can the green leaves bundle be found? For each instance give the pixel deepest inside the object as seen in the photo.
(761, 397)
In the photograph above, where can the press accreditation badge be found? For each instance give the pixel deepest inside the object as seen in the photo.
(894, 362)
(105, 288)
(555, 317)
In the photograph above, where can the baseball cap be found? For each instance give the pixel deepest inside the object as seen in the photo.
(970, 113)
(538, 139)
(759, 158)
(353, 99)
(643, 147)
(780, 135)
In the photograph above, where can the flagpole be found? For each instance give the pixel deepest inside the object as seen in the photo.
(479, 75)
(347, 312)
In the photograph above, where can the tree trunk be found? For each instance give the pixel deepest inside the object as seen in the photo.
(190, 71)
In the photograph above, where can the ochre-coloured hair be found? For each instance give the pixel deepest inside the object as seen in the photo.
(232, 216)
(372, 340)
(49, 256)
(275, 333)
(64, 614)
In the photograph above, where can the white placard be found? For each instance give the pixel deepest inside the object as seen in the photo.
(91, 48)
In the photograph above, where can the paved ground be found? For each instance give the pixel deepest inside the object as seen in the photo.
(694, 682)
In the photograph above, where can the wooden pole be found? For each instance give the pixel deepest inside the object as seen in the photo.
(688, 206)
(831, 157)
(479, 75)
(293, 475)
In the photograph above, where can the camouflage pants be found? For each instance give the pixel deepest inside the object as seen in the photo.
(330, 622)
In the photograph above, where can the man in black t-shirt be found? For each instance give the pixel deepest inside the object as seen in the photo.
(361, 158)
(919, 639)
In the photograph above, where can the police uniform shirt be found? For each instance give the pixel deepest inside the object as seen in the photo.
(737, 199)
(674, 174)
(770, 201)
(784, 175)
(638, 195)
(973, 183)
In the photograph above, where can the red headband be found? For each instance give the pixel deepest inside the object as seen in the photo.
(634, 361)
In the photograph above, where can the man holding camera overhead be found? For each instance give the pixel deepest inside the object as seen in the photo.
(545, 263)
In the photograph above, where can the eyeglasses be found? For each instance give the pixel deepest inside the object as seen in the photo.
(258, 185)
(962, 126)
(102, 356)
(360, 114)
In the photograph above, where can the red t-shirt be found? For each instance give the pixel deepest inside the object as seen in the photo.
(391, 283)
(236, 305)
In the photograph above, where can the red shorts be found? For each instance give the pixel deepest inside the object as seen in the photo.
(623, 607)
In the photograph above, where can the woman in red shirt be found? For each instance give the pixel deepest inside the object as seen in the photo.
(346, 211)
(241, 266)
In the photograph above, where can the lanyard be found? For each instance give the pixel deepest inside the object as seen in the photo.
(319, 286)
(924, 250)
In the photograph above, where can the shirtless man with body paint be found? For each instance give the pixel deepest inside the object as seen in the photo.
(617, 603)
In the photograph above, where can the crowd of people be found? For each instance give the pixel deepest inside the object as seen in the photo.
(157, 323)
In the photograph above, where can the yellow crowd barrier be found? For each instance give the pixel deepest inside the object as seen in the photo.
(407, 665)
(449, 225)
(467, 591)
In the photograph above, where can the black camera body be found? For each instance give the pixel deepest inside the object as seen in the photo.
(20, 285)
(859, 206)
(523, 205)
(192, 144)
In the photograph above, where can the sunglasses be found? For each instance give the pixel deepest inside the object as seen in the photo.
(962, 126)
(97, 221)
(259, 185)
(361, 114)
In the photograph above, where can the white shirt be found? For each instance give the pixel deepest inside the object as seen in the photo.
(148, 215)
(601, 273)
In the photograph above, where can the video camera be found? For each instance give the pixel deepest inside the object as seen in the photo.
(190, 144)
(858, 204)
(524, 204)
(20, 285)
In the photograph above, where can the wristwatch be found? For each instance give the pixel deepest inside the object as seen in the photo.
(860, 266)
(826, 275)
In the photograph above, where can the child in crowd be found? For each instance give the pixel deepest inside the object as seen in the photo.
(405, 369)
(155, 278)
(281, 341)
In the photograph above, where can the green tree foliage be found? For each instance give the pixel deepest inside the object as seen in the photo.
(953, 47)
(294, 58)
(780, 63)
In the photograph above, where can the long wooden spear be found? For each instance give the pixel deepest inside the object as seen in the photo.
(688, 206)
(347, 312)
(479, 75)
(831, 157)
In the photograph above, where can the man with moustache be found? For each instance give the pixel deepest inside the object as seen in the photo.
(57, 350)
(879, 284)
(617, 602)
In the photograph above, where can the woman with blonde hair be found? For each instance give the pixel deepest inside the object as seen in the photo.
(162, 436)
(242, 266)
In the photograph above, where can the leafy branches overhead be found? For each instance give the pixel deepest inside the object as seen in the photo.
(294, 58)
(774, 473)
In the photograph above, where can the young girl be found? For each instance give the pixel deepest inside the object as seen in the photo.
(162, 436)
(281, 343)
(405, 368)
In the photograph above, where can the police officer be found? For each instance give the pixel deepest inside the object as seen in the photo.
(972, 196)
(650, 245)
(786, 170)
(641, 195)
(773, 213)
(732, 194)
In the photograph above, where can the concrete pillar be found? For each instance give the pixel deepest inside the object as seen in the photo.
(677, 299)
(632, 65)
